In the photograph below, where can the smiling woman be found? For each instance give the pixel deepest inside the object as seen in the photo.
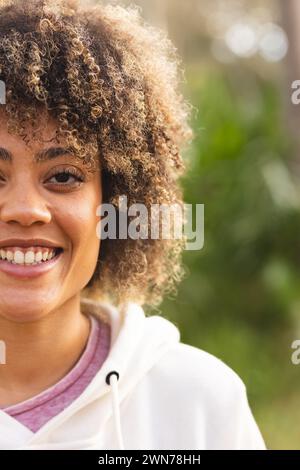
(110, 84)
(48, 200)
(93, 112)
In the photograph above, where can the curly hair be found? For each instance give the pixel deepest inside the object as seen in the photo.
(111, 82)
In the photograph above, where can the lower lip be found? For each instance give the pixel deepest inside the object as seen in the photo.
(29, 271)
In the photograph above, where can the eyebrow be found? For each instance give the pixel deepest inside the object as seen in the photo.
(41, 156)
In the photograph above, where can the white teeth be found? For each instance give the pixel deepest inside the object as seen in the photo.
(27, 257)
(38, 256)
(19, 257)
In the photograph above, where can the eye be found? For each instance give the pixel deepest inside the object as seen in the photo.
(66, 177)
(63, 176)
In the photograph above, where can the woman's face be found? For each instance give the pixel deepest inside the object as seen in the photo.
(41, 200)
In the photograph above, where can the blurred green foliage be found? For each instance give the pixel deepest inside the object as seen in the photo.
(240, 300)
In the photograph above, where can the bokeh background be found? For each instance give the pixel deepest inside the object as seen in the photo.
(241, 298)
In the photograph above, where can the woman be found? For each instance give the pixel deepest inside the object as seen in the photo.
(92, 112)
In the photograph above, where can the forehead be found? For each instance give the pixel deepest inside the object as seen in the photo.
(46, 133)
(45, 145)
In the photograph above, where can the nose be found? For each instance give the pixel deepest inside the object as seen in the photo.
(23, 204)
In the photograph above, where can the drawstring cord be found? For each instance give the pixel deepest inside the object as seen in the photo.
(112, 380)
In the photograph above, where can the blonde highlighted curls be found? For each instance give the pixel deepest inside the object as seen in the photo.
(111, 82)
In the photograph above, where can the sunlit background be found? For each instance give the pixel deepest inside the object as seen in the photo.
(241, 298)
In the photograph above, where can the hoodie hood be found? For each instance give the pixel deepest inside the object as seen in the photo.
(138, 342)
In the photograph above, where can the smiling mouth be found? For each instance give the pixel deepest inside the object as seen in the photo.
(31, 270)
(31, 256)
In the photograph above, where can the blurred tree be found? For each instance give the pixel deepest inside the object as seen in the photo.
(291, 21)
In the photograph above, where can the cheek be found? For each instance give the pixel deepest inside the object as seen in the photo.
(78, 219)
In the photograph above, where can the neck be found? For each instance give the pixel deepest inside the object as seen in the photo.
(40, 353)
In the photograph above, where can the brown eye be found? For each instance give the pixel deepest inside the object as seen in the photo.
(63, 176)
(66, 177)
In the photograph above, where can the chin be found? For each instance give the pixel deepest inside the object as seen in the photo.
(21, 311)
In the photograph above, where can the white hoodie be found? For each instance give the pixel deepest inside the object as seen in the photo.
(169, 395)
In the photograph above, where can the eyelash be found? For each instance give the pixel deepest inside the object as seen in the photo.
(69, 171)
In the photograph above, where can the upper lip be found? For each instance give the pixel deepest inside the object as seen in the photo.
(28, 242)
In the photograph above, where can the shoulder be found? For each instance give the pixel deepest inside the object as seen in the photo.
(190, 366)
(208, 396)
